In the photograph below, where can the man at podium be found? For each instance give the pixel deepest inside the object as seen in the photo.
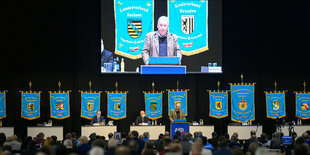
(176, 113)
(97, 119)
(161, 43)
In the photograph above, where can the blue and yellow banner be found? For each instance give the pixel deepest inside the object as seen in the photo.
(275, 104)
(153, 104)
(302, 105)
(242, 102)
(30, 105)
(90, 104)
(117, 105)
(2, 104)
(60, 104)
(218, 104)
(177, 96)
(189, 21)
(133, 20)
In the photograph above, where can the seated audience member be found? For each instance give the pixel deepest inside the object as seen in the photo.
(31, 148)
(112, 144)
(92, 137)
(175, 148)
(16, 145)
(133, 147)
(206, 145)
(186, 143)
(148, 148)
(276, 141)
(110, 135)
(197, 148)
(166, 148)
(47, 142)
(84, 147)
(252, 148)
(301, 149)
(146, 136)
(68, 144)
(246, 145)
(122, 150)
(99, 143)
(96, 151)
(223, 148)
(233, 142)
(214, 141)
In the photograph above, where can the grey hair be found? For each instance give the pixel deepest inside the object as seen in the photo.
(68, 143)
(112, 143)
(96, 151)
(161, 18)
(84, 139)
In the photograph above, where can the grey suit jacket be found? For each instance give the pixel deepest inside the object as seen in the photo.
(151, 46)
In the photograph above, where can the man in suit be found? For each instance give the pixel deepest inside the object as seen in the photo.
(142, 118)
(106, 56)
(176, 113)
(98, 119)
(161, 43)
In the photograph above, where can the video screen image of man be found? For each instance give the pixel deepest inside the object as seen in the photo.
(98, 119)
(142, 118)
(176, 113)
(161, 43)
(106, 59)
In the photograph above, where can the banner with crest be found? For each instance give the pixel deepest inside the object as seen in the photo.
(153, 104)
(218, 104)
(177, 96)
(117, 104)
(302, 105)
(133, 20)
(189, 21)
(30, 105)
(2, 104)
(60, 104)
(275, 104)
(90, 104)
(242, 102)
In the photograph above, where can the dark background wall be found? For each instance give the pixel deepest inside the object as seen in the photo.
(50, 41)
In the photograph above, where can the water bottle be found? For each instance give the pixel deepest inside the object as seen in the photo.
(114, 65)
(117, 64)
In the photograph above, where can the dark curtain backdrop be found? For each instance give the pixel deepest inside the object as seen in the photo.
(50, 41)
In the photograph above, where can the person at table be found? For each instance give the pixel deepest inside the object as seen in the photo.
(98, 119)
(142, 118)
(176, 113)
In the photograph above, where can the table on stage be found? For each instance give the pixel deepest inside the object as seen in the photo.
(244, 130)
(8, 131)
(102, 130)
(206, 130)
(154, 130)
(299, 129)
(48, 131)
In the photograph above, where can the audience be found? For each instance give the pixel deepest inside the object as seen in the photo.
(164, 145)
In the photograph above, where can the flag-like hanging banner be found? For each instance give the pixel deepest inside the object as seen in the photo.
(275, 104)
(60, 104)
(153, 104)
(218, 104)
(177, 96)
(242, 102)
(302, 105)
(117, 104)
(90, 104)
(30, 105)
(133, 20)
(189, 21)
(2, 104)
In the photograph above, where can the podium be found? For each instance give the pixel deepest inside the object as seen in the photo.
(163, 65)
(179, 125)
